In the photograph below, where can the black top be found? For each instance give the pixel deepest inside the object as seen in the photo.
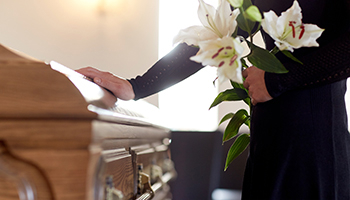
(327, 63)
(171, 69)
(300, 144)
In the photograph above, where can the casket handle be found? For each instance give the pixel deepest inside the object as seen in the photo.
(148, 191)
(111, 192)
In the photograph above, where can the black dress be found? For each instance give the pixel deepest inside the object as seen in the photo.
(300, 144)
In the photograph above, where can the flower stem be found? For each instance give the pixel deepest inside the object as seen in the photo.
(274, 50)
(257, 30)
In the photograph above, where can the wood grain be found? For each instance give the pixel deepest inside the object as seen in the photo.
(19, 178)
(50, 141)
(118, 163)
(46, 134)
(31, 89)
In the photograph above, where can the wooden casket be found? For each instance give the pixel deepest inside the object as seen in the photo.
(63, 137)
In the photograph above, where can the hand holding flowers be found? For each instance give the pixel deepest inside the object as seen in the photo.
(255, 84)
(220, 46)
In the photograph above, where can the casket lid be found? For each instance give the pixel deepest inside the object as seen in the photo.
(31, 89)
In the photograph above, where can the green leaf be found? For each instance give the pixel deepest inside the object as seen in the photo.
(263, 59)
(238, 85)
(244, 64)
(235, 94)
(235, 123)
(240, 144)
(226, 117)
(290, 55)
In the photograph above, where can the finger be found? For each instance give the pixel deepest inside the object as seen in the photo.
(253, 101)
(105, 84)
(246, 85)
(98, 81)
(89, 71)
(83, 70)
(245, 73)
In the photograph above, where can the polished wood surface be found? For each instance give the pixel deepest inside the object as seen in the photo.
(57, 148)
(31, 89)
(18, 176)
(56, 143)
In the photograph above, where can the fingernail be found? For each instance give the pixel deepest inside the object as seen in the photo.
(97, 80)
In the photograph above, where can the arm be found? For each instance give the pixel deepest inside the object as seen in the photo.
(120, 87)
(169, 70)
(326, 65)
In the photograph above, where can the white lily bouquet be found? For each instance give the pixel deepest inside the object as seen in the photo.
(220, 46)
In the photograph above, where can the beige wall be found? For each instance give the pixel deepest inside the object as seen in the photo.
(120, 36)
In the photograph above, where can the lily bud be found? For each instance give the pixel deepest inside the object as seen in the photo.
(236, 3)
(253, 14)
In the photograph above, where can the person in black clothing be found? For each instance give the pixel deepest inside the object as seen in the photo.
(300, 144)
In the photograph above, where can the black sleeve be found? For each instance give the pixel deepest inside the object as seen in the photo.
(169, 70)
(325, 65)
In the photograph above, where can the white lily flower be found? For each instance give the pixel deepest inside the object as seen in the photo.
(217, 23)
(224, 53)
(288, 31)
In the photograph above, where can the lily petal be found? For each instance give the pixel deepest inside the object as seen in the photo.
(224, 53)
(225, 18)
(288, 31)
(311, 33)
(216, 24)
(292, 14)
(194, 34)
(205, 12)
(269, 23)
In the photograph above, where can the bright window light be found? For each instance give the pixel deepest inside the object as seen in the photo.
(347, 101)
(186, 105)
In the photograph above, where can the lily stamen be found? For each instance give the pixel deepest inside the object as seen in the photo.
(233, 59)
(291, 23)
(214, 28)
(217, 53)
(302, 27)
